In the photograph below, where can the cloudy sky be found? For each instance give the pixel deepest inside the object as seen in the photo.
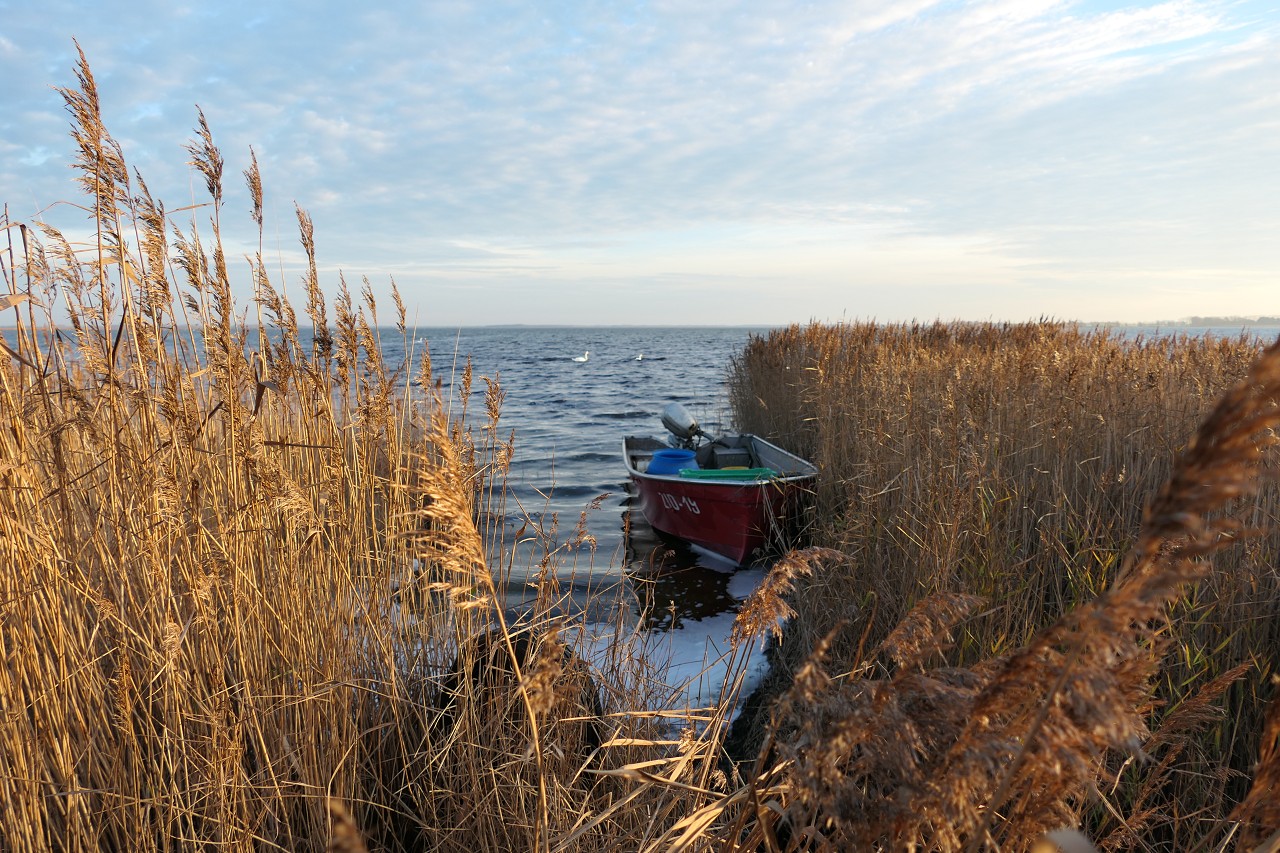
(640, 162)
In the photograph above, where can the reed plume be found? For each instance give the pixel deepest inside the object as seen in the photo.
(252, 585)
(239, 568)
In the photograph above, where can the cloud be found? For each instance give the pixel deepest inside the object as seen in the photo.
(530, 142)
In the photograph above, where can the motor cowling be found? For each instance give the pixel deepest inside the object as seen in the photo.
(680, 423)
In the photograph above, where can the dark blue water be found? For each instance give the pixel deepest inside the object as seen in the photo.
(569, 419)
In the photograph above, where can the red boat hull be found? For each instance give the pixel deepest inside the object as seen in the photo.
(734, 520)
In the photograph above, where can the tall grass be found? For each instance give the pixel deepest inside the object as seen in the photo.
(246, 585)
(248, 595)
(984, 484)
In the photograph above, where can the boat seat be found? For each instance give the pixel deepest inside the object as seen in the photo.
(718, 457)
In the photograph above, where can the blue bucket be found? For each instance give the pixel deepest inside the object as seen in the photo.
(667, 463)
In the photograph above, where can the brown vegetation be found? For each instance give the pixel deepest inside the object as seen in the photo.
(247, 594)
(992, 658)
(243, 582)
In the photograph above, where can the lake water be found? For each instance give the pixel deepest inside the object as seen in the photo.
(569, 419)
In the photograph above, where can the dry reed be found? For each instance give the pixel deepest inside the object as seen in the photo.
(247, 595)
(1000, 468)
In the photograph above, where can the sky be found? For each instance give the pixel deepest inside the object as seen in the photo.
(703, 162)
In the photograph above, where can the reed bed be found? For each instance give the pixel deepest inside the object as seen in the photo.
(983, 486)
(250, 572)
(247, 568)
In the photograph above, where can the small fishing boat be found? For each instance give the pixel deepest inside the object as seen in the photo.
(735, 495)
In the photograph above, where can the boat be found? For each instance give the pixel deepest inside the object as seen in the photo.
(735, 495)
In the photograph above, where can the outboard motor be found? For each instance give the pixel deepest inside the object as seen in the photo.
(681, 425)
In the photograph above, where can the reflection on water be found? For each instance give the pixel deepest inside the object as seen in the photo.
(673, 582)
(664, 584)
(670, 596)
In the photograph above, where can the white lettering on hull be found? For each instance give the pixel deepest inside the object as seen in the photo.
(679, 503)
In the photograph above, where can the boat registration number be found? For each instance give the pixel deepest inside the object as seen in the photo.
(680, 503)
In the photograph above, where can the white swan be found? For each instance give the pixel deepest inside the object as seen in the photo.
(580, 358)
(640, 357)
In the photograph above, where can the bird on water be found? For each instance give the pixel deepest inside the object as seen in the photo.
(583, 357)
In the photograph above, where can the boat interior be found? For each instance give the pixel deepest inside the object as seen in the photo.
(724, 453)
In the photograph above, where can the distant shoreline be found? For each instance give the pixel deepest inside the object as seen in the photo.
(1184, 323)
(1195, 322)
